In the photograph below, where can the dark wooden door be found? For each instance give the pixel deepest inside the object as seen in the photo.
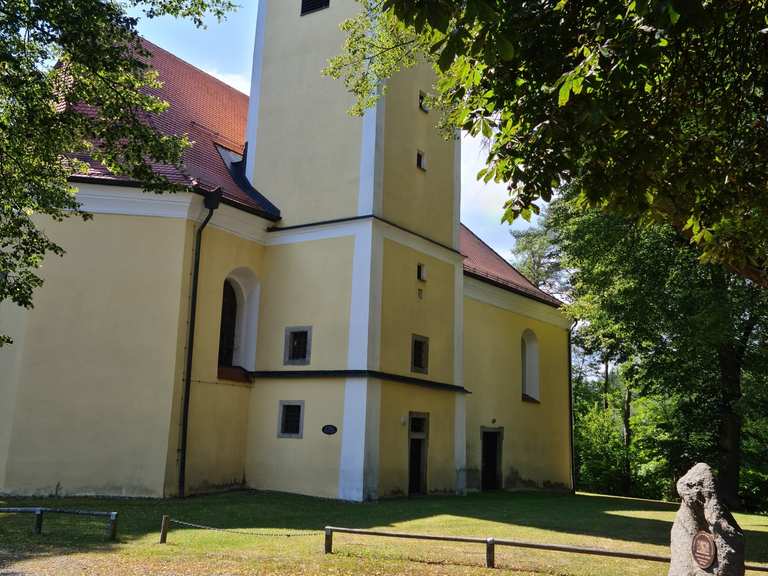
(416, 472)
(417, 453)
(491, 461)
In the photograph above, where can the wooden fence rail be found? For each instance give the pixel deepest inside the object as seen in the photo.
(38, 512)
(491, 543)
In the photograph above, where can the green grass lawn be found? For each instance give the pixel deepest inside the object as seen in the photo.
(75, 545)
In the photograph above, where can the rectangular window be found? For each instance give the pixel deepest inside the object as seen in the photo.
(421, 160)
(308, 6)
(421, 272)
(420, 354)
(291, 423)
(298, 346)
(423, 106)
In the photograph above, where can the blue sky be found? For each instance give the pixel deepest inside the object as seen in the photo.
(225, 49)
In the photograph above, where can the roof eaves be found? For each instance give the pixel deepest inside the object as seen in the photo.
(544, 298)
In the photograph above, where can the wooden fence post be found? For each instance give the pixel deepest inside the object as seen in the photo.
(164, 529)
(490, 553)
(112, 527)
(328, 540)
(39, 521)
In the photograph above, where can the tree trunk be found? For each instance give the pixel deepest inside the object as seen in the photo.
(730, 426)
(606, 385)
(626, 412)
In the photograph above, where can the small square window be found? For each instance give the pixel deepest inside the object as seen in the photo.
(423, 106)
(421, 160)
(420, 354)
(309, 6)
(291, 423)
(298, 346)
(421, 272)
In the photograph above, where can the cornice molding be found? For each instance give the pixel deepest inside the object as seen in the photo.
(128, 201)
(489, 294)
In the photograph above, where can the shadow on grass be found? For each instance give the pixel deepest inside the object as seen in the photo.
(582, 515)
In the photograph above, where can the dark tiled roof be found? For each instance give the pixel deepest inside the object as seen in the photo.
(213, 114)
(485, 264)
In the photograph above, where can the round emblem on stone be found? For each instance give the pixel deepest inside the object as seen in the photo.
(703, 549)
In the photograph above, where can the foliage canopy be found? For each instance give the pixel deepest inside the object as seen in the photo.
(73, 81)
(653, 109)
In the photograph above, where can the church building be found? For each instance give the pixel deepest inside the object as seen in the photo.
(309, 317)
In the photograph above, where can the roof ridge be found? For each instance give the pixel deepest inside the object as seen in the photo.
(190, 65)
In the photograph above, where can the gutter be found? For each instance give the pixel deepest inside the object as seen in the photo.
(211, 201)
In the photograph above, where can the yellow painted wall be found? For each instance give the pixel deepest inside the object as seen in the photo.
(218, 419)
(12, 324)
(307, 284)
(308, 465)
(397, 402)
(218, 430)
(308, 148)
(97, 370)
(404, 314)
(536, 449)
(421, 201)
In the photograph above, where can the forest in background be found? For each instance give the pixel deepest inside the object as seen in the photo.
(670, 360)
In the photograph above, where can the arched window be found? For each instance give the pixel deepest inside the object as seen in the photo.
(239, 320)
(228, 325)
(529, 362)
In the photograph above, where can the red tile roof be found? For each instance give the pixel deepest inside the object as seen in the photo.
(213, 114)
(485, 264)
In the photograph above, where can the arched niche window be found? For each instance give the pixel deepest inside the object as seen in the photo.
(529, 356)
(228, 331)
(239, 320)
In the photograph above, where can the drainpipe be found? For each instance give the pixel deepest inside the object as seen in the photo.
(570, 406)
(211, 201)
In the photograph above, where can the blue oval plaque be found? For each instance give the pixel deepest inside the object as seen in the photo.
(330, 429)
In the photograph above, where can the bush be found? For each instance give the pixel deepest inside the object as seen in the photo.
(599, 451)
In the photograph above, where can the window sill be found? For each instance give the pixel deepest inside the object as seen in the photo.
(530, 399)
(234, 374)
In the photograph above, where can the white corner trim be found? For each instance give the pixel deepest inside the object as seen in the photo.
(415, 242)
(367, 188)
(129, 201)
(369, 200)
(482, 292)
(252, 128)
(360, 299)
(353, 440)
(377, 280)
(456, 189)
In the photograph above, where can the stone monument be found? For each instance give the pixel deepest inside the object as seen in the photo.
(706, 540)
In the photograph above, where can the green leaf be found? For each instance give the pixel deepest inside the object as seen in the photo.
(674, 16)
(507, 49)
(565, 92)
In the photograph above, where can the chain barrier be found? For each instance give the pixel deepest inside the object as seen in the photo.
(244, 533)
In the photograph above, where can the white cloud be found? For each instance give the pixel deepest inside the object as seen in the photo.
(241, 82)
